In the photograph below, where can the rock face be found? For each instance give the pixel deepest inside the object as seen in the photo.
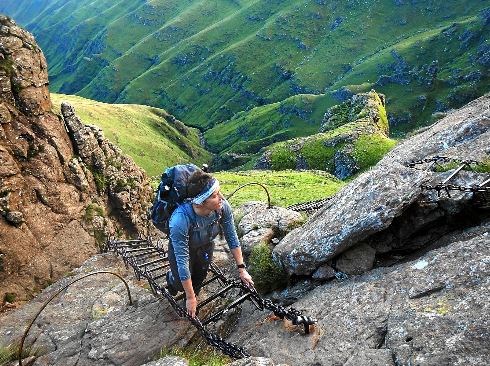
(61, 193)
(92, 322)
(385, 207)
(260, 224)
(432, 310)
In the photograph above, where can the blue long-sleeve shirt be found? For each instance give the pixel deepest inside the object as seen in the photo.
(188, 228)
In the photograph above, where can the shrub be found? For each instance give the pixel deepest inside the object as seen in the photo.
(9, 297)
(266, 273)
(11, 353)
(91, 211)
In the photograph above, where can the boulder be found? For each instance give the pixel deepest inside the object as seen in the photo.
(261, 224)
(431, 310)
(356, 260)
(370, 203)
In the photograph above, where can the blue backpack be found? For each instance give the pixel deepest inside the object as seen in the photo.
(172, 191)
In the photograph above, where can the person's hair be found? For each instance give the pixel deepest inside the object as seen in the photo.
(197, 181)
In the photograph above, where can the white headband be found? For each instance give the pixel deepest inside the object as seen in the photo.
(201, 197)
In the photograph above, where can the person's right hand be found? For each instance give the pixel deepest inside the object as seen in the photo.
(191, 305)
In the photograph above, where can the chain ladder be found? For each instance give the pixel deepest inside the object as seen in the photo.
(441, 159)
(309, 206)
(143, 247)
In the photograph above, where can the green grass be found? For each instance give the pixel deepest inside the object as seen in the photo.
(369, 149)
(285, 187)
(200, 357)
(11, 353)
(144, 133)
(481, 167)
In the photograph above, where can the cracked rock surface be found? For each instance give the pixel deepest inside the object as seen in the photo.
(92, 323)
(432, 310)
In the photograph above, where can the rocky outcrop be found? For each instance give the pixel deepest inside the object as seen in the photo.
(386, 208)
(432, 310)
(61, 193)
(92, 322)
(352, 137)
(260, 224)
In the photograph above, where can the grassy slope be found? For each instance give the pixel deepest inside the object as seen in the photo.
(285, 187)
(205, 60)
(141, 132)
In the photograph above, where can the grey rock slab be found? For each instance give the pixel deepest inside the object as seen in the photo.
(277, 218)
(92, 323)
(368, 319)
(370, 203)
(168, 361)
(255, 361)
(356, 260)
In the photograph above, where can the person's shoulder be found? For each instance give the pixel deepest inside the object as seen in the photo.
(226, 206)
(181, 213)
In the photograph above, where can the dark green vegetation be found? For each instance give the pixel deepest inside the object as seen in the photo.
(11, 353)
(197, 357)
(268, 276)
(355, 138)
(151, 136)
(210, 63)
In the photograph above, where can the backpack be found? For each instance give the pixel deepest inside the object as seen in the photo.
(172, 191)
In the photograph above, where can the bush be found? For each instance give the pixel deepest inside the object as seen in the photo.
(9, 297)
(267, 274)
(11, 353)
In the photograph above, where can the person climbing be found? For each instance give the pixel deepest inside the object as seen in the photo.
(193, 227)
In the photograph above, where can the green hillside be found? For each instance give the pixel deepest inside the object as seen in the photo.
(285, 187)
(152, 137)
(214, 61)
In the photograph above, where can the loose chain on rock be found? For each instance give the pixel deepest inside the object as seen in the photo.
(441, 159)
(445, 186)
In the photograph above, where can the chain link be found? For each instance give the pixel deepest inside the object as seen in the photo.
(227, 348)
(445, 187)
(441, 159)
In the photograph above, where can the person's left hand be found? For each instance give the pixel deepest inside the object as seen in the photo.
(246, 278)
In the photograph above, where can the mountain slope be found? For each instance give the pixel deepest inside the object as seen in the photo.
(151, 136)
(205, 61)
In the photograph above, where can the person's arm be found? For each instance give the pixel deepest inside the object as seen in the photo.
(191, 300)
(179, 236)
(233, 242)
(244, 275)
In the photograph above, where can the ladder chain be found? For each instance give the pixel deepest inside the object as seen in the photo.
(310, 205)
(212, 339)
(444, 186)
(452, 187)
(441, 159)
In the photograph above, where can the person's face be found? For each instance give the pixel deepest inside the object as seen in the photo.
(214, 202)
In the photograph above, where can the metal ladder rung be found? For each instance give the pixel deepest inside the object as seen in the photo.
(210, 280)
(139, 249)
(215, 296)
(156, 268)
(153, 262)
(220, 313)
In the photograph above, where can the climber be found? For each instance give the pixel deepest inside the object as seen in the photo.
(193, 227)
